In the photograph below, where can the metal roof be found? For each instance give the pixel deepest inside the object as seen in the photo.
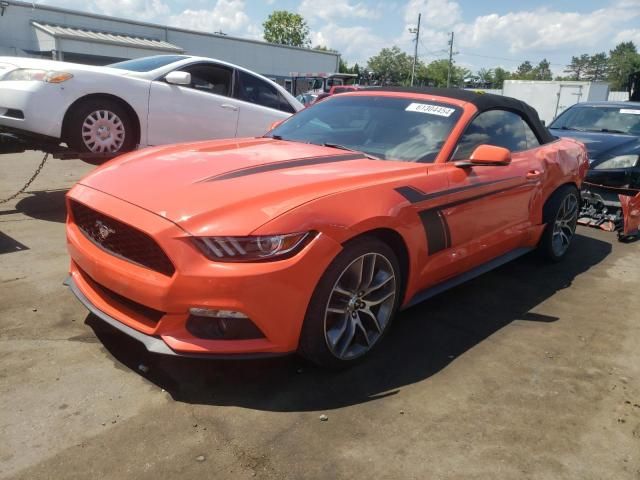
(75, 33)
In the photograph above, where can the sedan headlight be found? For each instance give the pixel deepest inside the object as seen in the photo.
(253, 248)
(32, 74)
(621, 161)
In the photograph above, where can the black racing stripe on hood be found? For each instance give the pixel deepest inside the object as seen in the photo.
(296, 162)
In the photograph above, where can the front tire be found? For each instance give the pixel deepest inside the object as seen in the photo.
(100, 126)
(353, 304)
(561, 217)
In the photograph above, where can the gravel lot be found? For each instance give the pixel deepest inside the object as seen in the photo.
(531, 371)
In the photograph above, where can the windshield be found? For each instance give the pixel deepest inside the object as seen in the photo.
(146, 64)
(385, 127)
(605, 118)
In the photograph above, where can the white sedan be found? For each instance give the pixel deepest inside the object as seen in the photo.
(145, 101)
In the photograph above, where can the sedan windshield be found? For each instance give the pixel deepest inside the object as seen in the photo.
(391, 128)
(600, 118)
(146, 64)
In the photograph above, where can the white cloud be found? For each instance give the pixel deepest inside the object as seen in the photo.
(329, 11)
(632, 34)
(356, 44)
(440, 14)
(543, 29)
(227, 16)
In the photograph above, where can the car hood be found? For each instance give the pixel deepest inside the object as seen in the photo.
(601, 145)
(10, 63)
(232, 187)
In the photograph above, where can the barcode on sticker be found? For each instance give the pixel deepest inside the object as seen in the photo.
(631, 111)
(430, 109)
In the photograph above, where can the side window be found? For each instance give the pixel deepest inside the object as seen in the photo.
(532, 140)
(285, 106)
(495, 127)
(210, 78)
(254, 90)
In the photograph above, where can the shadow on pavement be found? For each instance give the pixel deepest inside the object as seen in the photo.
(43, 205)
(423, 341)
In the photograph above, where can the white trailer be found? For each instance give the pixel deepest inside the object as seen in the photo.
(551, 98)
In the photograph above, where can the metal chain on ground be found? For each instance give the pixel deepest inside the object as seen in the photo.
(26, 185)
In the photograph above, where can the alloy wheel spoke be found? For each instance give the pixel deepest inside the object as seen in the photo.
(373, 303)
(347, 338)
(367, 311)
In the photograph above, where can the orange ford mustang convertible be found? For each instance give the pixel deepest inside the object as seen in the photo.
(312, 237)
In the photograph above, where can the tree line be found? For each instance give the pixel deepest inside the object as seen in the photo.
(392, 66)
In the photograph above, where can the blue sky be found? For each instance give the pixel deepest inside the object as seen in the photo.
(488, 33)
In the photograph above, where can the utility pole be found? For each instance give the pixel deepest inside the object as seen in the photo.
(415, 51)
(450, 61)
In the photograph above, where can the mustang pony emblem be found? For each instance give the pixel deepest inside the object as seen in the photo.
(104, 230)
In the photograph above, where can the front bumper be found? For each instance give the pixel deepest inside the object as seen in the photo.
(151, 343)
(41, 105)
(274, 295)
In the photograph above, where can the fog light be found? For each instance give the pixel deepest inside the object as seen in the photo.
(221, 325)
(207, 312)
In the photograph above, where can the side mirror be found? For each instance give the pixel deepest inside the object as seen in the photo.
(178, 78)
(487, 155)
(275, 124)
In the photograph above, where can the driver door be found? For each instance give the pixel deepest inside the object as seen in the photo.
(489, 214)
(202, 110)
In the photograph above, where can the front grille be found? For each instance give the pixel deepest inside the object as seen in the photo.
(149, 313)
(120, 239)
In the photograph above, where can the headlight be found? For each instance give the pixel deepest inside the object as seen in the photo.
(621, 161)
(254, 248)
(31, 74)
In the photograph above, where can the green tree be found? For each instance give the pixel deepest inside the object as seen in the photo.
(436, 74)
(499, 76)
(524, 71)
(597, 67)
(286, 28)
(623, 60)
(391, 66)
(578, 66)
(542, 71)
(485, 77)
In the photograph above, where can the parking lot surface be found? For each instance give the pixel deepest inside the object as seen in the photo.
(530, 371)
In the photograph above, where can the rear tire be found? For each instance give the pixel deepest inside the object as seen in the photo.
(353, 304)
(100, 126)
(561, 217)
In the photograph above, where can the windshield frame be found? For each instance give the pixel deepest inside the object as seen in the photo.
(429, 157)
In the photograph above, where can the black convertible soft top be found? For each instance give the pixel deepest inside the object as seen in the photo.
(483, 102)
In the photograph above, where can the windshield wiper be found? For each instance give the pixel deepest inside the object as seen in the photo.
(575, 129)
(605, 130)
(342, 147)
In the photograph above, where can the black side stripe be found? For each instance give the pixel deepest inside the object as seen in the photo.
(434, 220)
(296, 162)
(415, 195)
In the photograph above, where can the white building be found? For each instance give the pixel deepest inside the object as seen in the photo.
(29, 29)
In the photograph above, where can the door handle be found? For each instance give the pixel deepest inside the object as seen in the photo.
(533, 174)
(228, 106)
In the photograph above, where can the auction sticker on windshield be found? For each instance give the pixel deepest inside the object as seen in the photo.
(632, 111)
(430, 109)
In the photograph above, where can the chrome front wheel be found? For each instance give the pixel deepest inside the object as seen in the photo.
(564, 225)
(353, 304)
(360, 306)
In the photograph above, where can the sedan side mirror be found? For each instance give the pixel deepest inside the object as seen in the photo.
(487, 155)
(178, 78)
